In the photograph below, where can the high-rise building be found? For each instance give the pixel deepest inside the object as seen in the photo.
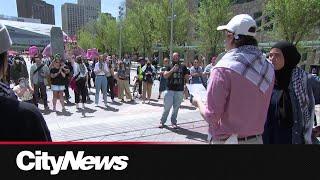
(72, 18)
(75, 16)
(94, 3)
(36, 9)
(92, 9)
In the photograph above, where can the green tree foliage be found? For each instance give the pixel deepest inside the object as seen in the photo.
(102, 34)
(212, 13)
(181, 22)
(293, 20)
(139, 29)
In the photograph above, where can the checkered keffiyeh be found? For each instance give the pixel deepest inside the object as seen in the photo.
(251, 63)
(299, 77)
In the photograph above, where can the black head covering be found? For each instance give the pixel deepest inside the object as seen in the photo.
(291, 60)
(283, 77)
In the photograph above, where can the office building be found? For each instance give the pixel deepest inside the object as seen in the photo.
(36, 9)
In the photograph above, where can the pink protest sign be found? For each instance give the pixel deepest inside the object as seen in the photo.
(33, 50)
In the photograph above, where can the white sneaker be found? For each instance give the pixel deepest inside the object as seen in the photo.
(83, 105)
(77, 106)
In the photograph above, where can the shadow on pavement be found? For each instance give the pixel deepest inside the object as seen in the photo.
(116, 103)
(46, 111)
(131, 102)
(109, 108)
(154, 100)
(196, 136)
(181, 107)
(86, 110)
(64, 113)
(68, 104)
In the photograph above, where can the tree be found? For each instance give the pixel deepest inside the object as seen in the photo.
(85, 39)
(181, 22)
(101, 34)
(293, 20)
(212, 13)
(140, 21)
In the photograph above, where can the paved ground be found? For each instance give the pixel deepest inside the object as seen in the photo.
(123, 121)
(126, 122)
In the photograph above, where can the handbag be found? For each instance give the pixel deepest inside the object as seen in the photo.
(73, 82)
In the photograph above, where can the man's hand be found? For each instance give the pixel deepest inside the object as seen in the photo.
(175, 68)
(195, 100)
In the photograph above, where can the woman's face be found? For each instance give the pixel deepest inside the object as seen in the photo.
(165, 62)
(57, 64)
(277, 58)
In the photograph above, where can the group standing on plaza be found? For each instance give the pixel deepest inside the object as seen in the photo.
(251, 98)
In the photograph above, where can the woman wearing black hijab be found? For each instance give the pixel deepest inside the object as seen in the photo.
(292, 105)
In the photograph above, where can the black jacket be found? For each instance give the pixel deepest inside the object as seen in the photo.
(20, 121)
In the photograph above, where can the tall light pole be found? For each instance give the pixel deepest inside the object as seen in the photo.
(120, 39)
(171, 33)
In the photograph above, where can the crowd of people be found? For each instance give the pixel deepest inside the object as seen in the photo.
(250, 97)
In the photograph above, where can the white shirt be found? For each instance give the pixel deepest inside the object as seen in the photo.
(97, 70)
(76, 70)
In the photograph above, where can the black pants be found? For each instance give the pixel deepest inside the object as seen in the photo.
(93, 76)
(111, 86)
(89, 81)
(40, 88)
(66, 91)
(81, 91)
(140, 87)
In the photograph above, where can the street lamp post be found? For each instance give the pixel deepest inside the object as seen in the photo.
(120, 38)
(171, 33)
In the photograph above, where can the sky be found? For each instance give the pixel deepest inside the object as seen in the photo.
(110, 6)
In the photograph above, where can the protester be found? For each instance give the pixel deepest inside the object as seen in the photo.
(89, 69)
(67, 79)
(24, 91)
(127, 62)
(80, 75)
(123, 82)
(295, 94)
(207, 71)
(20, 121)
(57, 83)
(196, 72)
(68, 65)
(93, 75)
(101, 70)
(163, 81)
(149, 72)
(18, 70)
(176, 74)
(110, 78)
(240, 87)
(38, 76)
(140, 75)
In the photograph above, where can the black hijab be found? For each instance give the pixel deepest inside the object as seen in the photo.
(283, 78)
(291, 59)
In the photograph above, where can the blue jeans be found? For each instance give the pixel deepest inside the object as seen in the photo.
(101, 83)
(171, 99)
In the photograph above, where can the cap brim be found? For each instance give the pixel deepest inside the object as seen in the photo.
(221, 28)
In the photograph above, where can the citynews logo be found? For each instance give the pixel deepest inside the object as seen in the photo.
(42, 161)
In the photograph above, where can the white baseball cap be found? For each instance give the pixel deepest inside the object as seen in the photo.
(5, 40)
(240, 25)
